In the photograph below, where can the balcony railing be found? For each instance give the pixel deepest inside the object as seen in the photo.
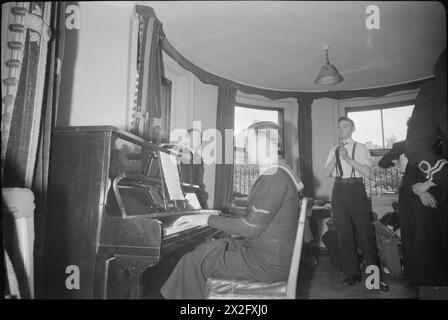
(244, 176)
(381, 181)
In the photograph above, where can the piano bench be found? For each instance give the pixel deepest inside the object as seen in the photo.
(244, 289)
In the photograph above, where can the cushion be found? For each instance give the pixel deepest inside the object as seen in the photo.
(244, 289)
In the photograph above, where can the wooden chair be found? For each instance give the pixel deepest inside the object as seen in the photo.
(237, 289)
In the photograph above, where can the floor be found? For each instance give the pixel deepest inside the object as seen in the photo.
(325, 282)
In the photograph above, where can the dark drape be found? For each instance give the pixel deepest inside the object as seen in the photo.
(148, 116)
(224, 172)
(49, 110)
(305, 145)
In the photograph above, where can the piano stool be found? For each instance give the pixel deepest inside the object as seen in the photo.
(245, 289)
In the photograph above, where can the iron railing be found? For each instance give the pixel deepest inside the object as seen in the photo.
(381, 181)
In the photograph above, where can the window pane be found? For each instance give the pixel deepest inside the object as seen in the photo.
(368, 128)
(244, 117)
(395, 124)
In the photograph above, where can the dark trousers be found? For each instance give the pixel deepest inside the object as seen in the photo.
(351, 212)
(424, 239)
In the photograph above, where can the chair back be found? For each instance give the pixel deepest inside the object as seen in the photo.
(291, 286)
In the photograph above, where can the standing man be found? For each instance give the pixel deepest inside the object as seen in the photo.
(348, 162)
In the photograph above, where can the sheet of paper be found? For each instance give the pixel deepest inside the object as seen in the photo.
(171, 174)
(193, 200)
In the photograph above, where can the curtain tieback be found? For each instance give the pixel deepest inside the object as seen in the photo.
(38, 25)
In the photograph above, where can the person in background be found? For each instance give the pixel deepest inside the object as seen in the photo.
(267, 229)
(192, 164)
(349, 162)
(193, 168)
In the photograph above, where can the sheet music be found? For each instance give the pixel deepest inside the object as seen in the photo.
(171, 174)
(193, 200)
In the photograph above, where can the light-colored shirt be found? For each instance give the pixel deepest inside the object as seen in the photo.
(362, 155)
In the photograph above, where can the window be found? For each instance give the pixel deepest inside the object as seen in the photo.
(379, 127)
(246, 174)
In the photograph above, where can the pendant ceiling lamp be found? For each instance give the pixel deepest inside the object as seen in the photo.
(328, 73)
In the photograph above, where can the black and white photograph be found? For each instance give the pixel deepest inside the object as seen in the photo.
(224, 153)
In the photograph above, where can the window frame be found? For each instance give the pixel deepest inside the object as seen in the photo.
(281, 125)
(381, 106)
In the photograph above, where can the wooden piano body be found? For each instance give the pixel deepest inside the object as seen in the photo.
(110, 241)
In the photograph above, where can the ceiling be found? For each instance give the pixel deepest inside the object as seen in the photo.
(279, 44)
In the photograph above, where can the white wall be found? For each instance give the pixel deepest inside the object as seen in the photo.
(95, 74)
(324, 114)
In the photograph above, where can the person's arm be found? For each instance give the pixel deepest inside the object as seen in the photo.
(330, 163)
(362, 166)
(421, 187)
(393, 154)
(422, 134)
(234, 211)
(262, 209)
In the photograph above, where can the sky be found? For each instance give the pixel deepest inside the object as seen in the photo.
(367, 123)
(246, 116)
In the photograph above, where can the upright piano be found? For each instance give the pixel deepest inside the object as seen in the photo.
(110, 215)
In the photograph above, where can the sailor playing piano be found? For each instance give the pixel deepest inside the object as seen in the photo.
(265, 232)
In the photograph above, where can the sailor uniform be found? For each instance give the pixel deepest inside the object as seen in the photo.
(424, 229)
(264, 253)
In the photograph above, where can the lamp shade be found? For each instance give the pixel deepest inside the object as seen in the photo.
(328, 73)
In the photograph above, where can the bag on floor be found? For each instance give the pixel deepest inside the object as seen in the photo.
(389, 249)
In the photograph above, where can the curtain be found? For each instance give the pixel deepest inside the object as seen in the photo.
(224, 172)
(148, 122)
(26, 62)
(55, 59)
(32, 53)
(305, 145)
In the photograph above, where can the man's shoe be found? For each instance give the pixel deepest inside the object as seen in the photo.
(384, 286)
(350, 281)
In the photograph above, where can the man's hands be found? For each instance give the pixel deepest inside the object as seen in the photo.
(363, 169)
(343, 153)
(195, 219)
